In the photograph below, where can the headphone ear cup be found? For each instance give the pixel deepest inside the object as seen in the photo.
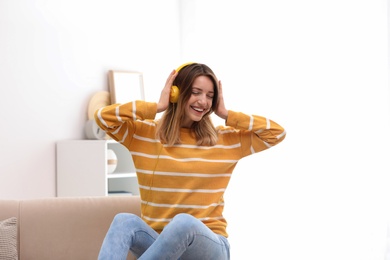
(175, 92)
(174, 95)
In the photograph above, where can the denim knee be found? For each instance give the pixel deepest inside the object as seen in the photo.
(185, 222)
(121, 218)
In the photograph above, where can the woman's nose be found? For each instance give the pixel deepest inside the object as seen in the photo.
(202, 99)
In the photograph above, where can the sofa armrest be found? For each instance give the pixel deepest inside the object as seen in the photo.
(69, 228)
(9, 208)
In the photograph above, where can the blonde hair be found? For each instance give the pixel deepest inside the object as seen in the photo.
(168, 127)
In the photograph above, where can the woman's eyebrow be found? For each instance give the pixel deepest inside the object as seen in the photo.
(195, 88)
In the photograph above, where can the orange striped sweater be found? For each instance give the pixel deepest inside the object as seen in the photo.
(185, 178)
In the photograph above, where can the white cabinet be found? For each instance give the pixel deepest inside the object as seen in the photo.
(82, 169)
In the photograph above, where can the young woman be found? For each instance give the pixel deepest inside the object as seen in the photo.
(183, 165)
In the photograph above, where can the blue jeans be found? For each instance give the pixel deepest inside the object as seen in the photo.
(185, 237)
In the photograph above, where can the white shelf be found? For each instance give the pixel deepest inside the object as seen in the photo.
(82, 169)
(121, 175)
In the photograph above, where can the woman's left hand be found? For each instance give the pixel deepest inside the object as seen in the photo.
(221, 110)
(163, 103)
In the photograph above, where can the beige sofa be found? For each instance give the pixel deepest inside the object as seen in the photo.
(64, 228)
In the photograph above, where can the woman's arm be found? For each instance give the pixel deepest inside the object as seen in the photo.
(118, 121)
(257, 133)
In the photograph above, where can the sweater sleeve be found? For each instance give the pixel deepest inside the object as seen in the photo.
(257, 133)
(119, 120)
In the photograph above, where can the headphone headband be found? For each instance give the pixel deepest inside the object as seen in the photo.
(183, 65)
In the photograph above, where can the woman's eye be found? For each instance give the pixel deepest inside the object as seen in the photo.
(197, 93)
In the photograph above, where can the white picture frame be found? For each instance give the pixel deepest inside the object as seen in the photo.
(125, 86)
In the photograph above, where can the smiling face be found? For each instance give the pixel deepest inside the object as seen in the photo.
(200, 101)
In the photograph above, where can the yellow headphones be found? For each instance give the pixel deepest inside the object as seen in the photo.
(175, 92)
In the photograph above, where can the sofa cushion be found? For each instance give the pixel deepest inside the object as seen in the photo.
(8, 239)
(68, 228)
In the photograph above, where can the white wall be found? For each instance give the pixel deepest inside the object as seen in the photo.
(319, 68)
(54, 56)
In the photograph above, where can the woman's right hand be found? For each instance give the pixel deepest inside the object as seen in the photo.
(163, 103)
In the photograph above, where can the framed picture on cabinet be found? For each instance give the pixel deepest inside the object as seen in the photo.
(125, 86)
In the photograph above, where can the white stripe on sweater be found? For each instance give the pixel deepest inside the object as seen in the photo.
(182, 205)
(200, 175)
(99, 114)
(181, 159)
(152, 140)
(169, 219)
(182, 190)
